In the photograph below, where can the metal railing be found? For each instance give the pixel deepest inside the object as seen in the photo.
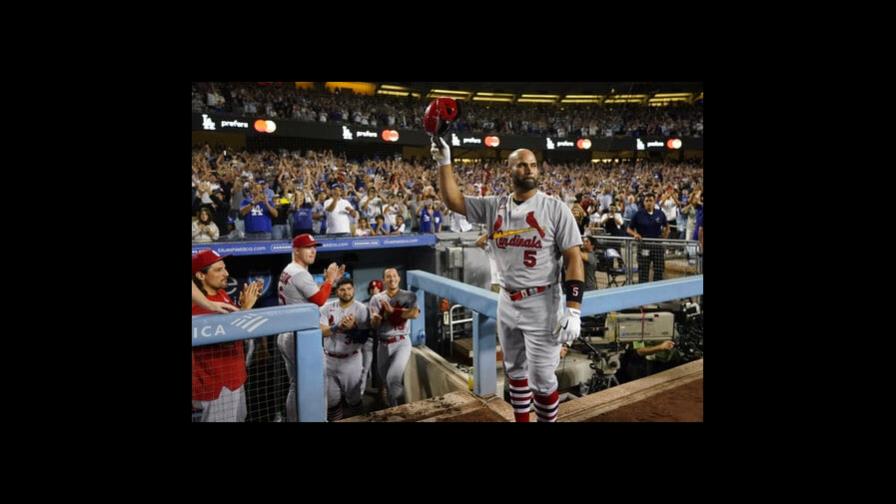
(451, 323)
(484, 305)
(679, 258)
(251, 324)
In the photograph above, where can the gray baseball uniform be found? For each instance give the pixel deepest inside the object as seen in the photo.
(295, 287)
(394, 343)
(343, 356)
(366, 357)
(527, 241)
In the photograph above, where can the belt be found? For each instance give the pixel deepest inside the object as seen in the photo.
(391, 340)
(341, 355)
(524, 293)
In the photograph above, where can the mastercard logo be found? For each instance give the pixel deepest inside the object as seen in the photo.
(583, 143)
(492, 141)
(263, 126)
(389, 135)
(673, 143)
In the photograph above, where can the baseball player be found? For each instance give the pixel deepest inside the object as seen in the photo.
(374, 287)
(296, 286)
(389, 314)
(528, 232)
(343, 322)
(219, 371)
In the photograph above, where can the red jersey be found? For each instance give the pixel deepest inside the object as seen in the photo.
(215, 366)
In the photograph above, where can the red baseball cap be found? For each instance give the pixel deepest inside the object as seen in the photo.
(205, 258)
(304, 240)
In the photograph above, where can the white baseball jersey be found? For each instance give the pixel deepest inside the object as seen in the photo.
(296, 285)
(527, 240)
(331, 314)
(393, 325)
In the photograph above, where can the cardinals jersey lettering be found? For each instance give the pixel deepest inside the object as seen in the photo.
(528, 239)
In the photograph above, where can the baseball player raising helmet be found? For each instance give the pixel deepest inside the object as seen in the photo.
(528, 232)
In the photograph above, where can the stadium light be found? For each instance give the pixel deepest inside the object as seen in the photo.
(507, 95)
(624, 100)
(484, 98)
(450, 92)
(393, 93)
(440, 95)
(673, 95)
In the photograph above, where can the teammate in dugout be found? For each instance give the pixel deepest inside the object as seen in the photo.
(528, 232)
(219, 371)
(343, 323)
(296, 286)
(389, 313)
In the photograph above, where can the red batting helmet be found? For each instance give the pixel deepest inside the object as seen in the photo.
(439, 113)
(375, 283)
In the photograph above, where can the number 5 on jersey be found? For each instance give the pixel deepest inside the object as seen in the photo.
(529, 258)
